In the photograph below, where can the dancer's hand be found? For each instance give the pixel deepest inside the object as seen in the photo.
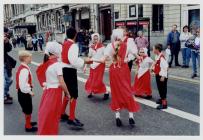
(67, 95)
(84, 69)
(32, 93)
(162, 78)
(88, 61)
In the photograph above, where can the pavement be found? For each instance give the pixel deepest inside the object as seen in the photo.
(181, 118)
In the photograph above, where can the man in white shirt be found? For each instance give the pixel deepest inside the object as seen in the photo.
(71, 61)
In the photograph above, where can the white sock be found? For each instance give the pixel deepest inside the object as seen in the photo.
(117, 114)
(131, 115)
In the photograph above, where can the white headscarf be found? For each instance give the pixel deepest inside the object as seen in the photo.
(95, 34)
(117, 34)
(54, 48)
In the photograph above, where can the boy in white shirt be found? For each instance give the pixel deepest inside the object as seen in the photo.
(160, 68)
(24, 89)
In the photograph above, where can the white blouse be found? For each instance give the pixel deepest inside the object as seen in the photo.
(144, 66)
(52, 73)
(163, 66)
(184, 37)
(96, 55)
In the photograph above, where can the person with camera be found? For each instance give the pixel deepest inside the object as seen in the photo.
(186, 52)
(195, 53)
(9, 64)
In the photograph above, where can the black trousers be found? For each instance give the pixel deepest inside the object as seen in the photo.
(70, 78)
(130, 64)
(40, 45)
(162, 86)
(35, 47)
(25, 101)
(174, 53)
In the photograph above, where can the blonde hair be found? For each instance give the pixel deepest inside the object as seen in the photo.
(23, 54)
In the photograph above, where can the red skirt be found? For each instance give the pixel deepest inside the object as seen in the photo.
(142, 86)
(50, 111)
(121, 90)
(95, 82)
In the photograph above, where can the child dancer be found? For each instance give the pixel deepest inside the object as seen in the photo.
(160, 68)
(50, 75)
(71, 62)
(142, 84)
(120, 80)
(94, 84)
(24, 88)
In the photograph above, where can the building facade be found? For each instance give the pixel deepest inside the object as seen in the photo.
(154, 20)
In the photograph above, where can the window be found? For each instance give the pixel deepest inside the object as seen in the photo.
(140, 10)
(116, 15)
(157, 17)
(132, 11)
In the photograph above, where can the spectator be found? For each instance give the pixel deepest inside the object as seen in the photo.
(34, 42)
(29, 43)
(41, 41)
(141, 41)
(173, 43)
(14, 42)
(18, 41)
(80, 39)
(196, 54)
(9, 64)
(186, 52)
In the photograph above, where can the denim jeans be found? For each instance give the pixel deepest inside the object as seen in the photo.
(186, 54)
(7, 82)
(195, 58)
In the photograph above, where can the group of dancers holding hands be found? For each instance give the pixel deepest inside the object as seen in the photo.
(57, 76)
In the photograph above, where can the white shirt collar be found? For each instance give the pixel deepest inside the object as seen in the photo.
(25, 65)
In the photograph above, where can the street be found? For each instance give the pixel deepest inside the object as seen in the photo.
(181, 118)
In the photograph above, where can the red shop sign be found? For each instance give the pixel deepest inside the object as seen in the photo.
(131, 23)
(120, 23)
(143, 22)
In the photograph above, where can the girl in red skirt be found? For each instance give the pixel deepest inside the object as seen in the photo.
(95, 84)
(120, 80)
(142, 84)
(51, 78)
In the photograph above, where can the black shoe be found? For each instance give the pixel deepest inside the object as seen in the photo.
(178, 65)
(106, 96)
(90, 95)
(158, 101)
(148, 97)
(33, 123)
(75, 123)
(170, 66)
(131, 121)
(159, 107)
(193, 76)
(186, 66)
(183, 66)
(64, 117)
(118, 122)
(33, 129)
(7, 101)
(9, 97)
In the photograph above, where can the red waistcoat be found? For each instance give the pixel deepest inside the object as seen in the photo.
(18, 74)
(64, 54)
(157, 67)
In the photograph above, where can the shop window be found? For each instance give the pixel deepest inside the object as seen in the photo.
(116, 15)
(157, 17)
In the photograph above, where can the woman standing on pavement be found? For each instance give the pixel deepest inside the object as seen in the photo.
(186, 52)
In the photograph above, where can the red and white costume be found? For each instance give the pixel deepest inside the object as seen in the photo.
(120, 79)
(95, 82)
(51, 100)
(142, 84)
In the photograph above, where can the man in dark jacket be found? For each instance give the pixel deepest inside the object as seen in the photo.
(9, 64)
(173, 43)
